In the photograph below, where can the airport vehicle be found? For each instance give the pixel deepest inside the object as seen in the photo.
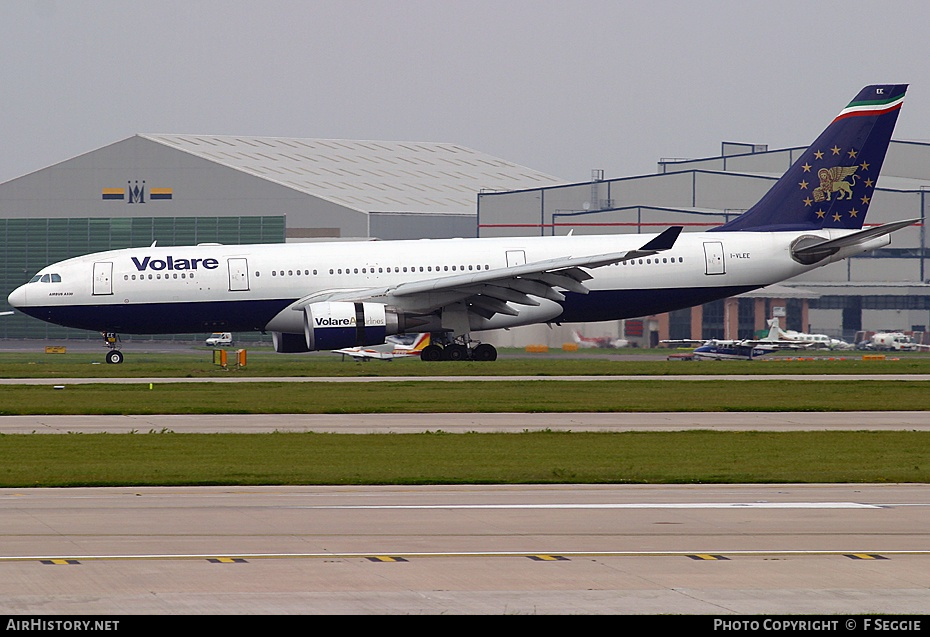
(386, 351)
(893, 341)
(219, 339)
(597, 341)
(326, 296)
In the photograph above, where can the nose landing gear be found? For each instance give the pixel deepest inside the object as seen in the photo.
(111, 341)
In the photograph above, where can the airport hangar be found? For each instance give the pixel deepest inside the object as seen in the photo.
(184, 189)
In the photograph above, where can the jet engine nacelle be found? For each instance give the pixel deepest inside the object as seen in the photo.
(285, 343)
(338, 325)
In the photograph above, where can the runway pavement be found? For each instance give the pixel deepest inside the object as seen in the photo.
(706, 550)
(469, 422)
(491, 550)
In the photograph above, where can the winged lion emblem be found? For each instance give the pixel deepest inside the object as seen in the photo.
(833, 180)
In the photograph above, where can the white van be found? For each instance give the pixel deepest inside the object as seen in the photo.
(219, 339)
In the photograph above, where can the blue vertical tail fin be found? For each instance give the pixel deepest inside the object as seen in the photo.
(831, 184)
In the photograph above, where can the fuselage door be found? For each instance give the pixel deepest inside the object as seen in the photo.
(103, 278)
(713, 253)
(238, 275)
(516, 257)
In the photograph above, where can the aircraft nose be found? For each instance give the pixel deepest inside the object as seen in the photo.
(17, 297)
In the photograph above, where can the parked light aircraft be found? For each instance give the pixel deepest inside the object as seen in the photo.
(816, 341)
(325, 296)
(386, 351)
(729, 350)
(733, 349)
(598, 341)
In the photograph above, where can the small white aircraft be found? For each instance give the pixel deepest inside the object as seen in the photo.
(386, 351)
(817, 341)
(598, 341)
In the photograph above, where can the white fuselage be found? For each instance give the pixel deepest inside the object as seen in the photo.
(238, 287)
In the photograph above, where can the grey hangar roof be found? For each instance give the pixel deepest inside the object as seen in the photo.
(369, 176)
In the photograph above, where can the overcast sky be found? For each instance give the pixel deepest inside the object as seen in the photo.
(561, 87)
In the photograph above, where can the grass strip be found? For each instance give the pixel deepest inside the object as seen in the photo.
(463, 397)
(199, 364)
(166, 459)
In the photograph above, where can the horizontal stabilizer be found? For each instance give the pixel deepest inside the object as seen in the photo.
(824, 249)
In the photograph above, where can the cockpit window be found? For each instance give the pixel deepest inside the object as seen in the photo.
(46, 278)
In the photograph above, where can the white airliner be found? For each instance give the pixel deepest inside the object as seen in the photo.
(326, 296)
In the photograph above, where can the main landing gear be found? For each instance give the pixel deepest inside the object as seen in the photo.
(111, 341)
(458, 349)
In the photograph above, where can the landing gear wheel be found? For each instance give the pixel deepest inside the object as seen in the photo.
(431, 353)
(485, 352)
(456, 352)
(114, 357)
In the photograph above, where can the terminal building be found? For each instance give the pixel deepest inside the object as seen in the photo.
(186, 189)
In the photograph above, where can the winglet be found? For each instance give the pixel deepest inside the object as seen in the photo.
(664, 241)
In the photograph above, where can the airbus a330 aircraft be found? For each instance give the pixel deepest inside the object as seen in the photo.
(325, 296)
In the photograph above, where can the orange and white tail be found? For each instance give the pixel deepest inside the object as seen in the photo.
(421, 342)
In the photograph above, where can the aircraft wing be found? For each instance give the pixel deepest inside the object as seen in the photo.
(778, 344)
(364, 353)
(488, 292)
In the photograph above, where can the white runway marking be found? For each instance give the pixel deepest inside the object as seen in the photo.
(638, 505)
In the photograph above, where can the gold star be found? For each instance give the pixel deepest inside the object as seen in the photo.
(806, 167)
(868, 183)
(808, 201)
(818, 154)
(853, 213)
(803, 185)
(821, 213)
(864, 165)
(865, 200)
(837, 216)
(852, 154)
(836, 150)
